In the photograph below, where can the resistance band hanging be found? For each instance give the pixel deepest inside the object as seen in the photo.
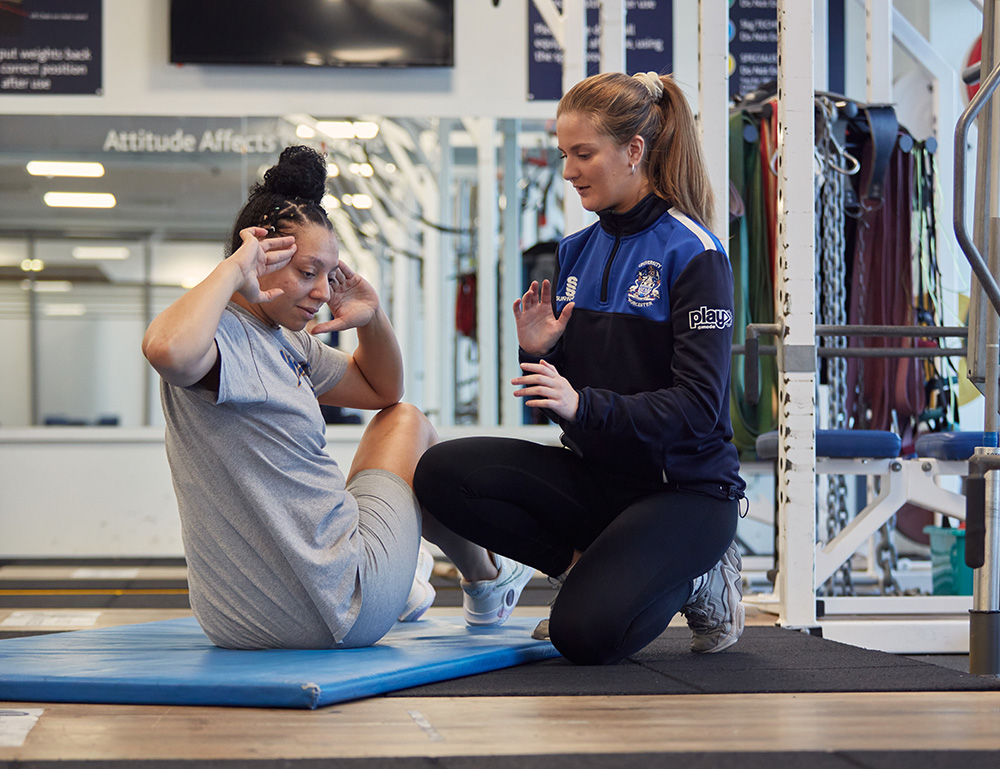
(882, 394)
(749, 249)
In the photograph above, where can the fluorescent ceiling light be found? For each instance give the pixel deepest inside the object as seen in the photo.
(365, 130)
(79, 199)
(64, 310)
(345, 129)
(32, 265)
(49, 286)
(336, 129)
(60, 168)
(101, 252)
(304, 131)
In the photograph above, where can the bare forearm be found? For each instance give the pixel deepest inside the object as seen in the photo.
(379, 359)
(180, 342)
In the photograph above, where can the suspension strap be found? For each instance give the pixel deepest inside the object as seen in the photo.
(882, 128)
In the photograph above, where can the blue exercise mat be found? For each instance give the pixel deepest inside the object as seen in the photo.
(172, 662)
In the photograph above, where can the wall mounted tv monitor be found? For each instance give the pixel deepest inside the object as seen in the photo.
(324, 33)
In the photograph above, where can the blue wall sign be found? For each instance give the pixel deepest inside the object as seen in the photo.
(50, 47)
(649, 42)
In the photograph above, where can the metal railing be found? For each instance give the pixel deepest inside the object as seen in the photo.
(982, 540)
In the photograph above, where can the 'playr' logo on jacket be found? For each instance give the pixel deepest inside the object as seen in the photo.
(708, 317)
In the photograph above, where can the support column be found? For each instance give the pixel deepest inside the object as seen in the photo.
(510, 283)
(878, 51)
(796, 309)
(487, 250)
(713, 104)
(439, 293)
(612, 35)
(569, 28)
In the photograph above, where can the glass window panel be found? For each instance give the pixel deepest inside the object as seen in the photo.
(89, 364)
(15, 373)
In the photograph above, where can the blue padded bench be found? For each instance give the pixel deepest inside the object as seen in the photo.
(953, 446)
(876, 453)
(842, 444)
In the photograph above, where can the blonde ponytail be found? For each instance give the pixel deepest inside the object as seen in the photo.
(623, 107)
(676, 162)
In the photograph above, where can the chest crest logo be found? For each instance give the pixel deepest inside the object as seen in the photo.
(570, 295)
(645, 289)
(299, 368)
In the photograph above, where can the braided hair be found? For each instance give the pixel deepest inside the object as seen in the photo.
(290, 194)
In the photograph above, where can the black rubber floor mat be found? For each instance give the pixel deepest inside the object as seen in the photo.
(766, 659)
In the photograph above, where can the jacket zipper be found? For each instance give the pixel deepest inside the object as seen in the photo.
(607, 269)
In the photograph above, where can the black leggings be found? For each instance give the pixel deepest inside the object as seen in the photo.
(537, 504)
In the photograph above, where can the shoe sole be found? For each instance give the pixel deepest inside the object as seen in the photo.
(425, 567)
(730, 560)
(727, 640)
(416, 613)
(511, 597)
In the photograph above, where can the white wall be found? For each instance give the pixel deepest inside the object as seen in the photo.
(489, 77)
(68, 492)
(106, 492)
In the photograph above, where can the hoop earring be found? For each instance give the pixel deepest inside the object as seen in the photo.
(633, 169)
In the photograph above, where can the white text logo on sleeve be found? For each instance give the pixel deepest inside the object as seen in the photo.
(708, 317)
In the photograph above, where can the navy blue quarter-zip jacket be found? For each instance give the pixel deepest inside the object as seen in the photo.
(648, 348)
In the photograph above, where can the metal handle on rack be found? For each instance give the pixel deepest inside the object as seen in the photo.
(979, 266)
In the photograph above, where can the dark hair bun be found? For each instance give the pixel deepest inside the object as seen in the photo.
(300, 173)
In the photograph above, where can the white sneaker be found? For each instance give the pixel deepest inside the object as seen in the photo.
(422, 592)
(490, 602)
(714, 612)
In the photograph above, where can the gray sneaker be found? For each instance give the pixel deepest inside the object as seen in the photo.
(714, 612)
(541, 631)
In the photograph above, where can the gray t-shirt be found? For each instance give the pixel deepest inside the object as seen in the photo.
(270, 534)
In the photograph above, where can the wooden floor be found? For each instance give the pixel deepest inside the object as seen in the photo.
(482, 726)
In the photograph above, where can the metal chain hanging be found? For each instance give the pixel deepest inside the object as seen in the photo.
(831, 304)
(888, 558)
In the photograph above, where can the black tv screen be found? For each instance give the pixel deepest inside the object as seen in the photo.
(330, 33)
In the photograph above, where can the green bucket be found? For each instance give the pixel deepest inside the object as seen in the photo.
(949, 573)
